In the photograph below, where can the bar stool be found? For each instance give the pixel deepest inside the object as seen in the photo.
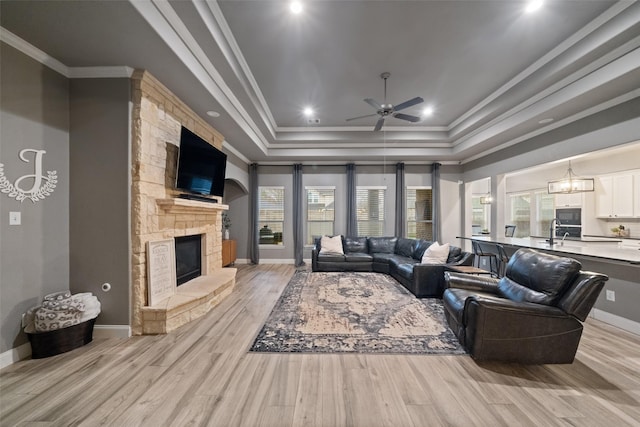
(503, 260)
(480, 253)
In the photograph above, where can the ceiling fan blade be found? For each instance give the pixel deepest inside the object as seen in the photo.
(373, 103)
(379, 124)
(409, 103)
(362, 117)
(406, 117)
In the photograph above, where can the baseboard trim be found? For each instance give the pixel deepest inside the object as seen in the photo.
(617, 321)
(14, 355)
(111, 331)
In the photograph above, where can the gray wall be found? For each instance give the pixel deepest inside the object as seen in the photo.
(34, 257)
(100, 193)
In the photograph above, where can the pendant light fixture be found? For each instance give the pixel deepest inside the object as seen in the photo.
(571, 183)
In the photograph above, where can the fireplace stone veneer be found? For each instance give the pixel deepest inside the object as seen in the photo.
(157, 213)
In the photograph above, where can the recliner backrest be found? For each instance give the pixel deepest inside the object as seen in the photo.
(582, 294)
(538, 277)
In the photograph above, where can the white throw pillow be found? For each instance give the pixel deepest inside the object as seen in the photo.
(436, 254)
(331, 245)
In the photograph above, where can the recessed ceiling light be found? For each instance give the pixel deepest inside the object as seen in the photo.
(295, 7)
(308, 111)
(212, 113)
(533, 5)
(545, 121)
(427, 111)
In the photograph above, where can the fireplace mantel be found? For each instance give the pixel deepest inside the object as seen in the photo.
(177, 205)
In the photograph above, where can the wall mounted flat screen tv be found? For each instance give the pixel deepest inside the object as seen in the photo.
(201, 166)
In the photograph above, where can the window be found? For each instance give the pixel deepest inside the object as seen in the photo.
(481, 217)
(370, 207)
(270, 215)
(419, 213)
(544, 213)
(320, 212)
(519, 205)
(531, 212)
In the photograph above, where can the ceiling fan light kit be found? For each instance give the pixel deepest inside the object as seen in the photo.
(385, 109)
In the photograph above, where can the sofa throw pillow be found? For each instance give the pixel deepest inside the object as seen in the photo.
(436, 254)
(331, 245)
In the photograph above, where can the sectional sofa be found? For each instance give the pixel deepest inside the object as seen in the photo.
(398, 257)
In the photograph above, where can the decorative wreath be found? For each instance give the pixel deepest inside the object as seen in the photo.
(45, 190)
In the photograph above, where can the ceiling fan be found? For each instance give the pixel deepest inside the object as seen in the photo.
(384, 110)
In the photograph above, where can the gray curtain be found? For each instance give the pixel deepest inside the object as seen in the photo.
(435, 184)
(298, 221)
(400, 201)
(254, 250)
(352, 220)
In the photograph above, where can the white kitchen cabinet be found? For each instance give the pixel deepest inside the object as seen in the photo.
(568, 200)
(614, 196)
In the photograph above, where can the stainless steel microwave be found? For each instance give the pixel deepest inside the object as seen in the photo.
(569, 216)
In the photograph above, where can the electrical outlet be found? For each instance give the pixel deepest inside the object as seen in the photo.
(611, 295)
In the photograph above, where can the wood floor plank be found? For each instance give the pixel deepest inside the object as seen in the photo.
(202, 374)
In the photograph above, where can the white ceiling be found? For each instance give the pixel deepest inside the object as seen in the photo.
(490, 71)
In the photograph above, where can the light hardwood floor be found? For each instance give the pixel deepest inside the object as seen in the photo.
(202, 374)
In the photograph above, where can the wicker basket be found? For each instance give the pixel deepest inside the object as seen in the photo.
(46, 344)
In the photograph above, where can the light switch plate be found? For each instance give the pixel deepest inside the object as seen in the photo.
(15, 218)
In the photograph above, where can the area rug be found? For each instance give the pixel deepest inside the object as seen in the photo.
(354, 313)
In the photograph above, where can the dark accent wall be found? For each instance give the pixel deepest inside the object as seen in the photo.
(99, 210)
(34, 256)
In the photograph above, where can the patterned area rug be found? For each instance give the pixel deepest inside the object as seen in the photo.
(354, 313)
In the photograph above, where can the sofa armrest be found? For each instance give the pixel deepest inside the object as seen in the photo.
(465, 259)
(471, 282)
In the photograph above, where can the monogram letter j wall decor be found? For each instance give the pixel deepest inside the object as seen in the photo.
(42, 186)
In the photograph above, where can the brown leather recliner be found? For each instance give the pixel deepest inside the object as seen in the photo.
(533, 315)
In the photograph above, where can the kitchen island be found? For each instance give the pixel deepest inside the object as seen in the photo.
(610, 250)
(620, 262)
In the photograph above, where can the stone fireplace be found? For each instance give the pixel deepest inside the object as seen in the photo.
(157, 212)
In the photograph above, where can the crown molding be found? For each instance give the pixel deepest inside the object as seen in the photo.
(33, 52)
(588, 29)
(230, 148)
(222, 34)
(167, 24)
(100, 72)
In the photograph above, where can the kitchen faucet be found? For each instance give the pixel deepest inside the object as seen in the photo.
(552, 231)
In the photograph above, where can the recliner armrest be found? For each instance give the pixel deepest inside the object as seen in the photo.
(499, 304)
(471, 282)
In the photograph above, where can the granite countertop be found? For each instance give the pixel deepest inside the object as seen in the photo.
(603, 248)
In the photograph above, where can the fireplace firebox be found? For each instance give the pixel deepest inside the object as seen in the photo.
(188, 258)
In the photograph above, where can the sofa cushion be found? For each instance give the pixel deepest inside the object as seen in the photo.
(358, 257)
(331, 257)
(382, 257)
(355, 244)
(421, 246)
(436, 254)
(537, 277)
(331, 245)
(385, 245)
(405, 247)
